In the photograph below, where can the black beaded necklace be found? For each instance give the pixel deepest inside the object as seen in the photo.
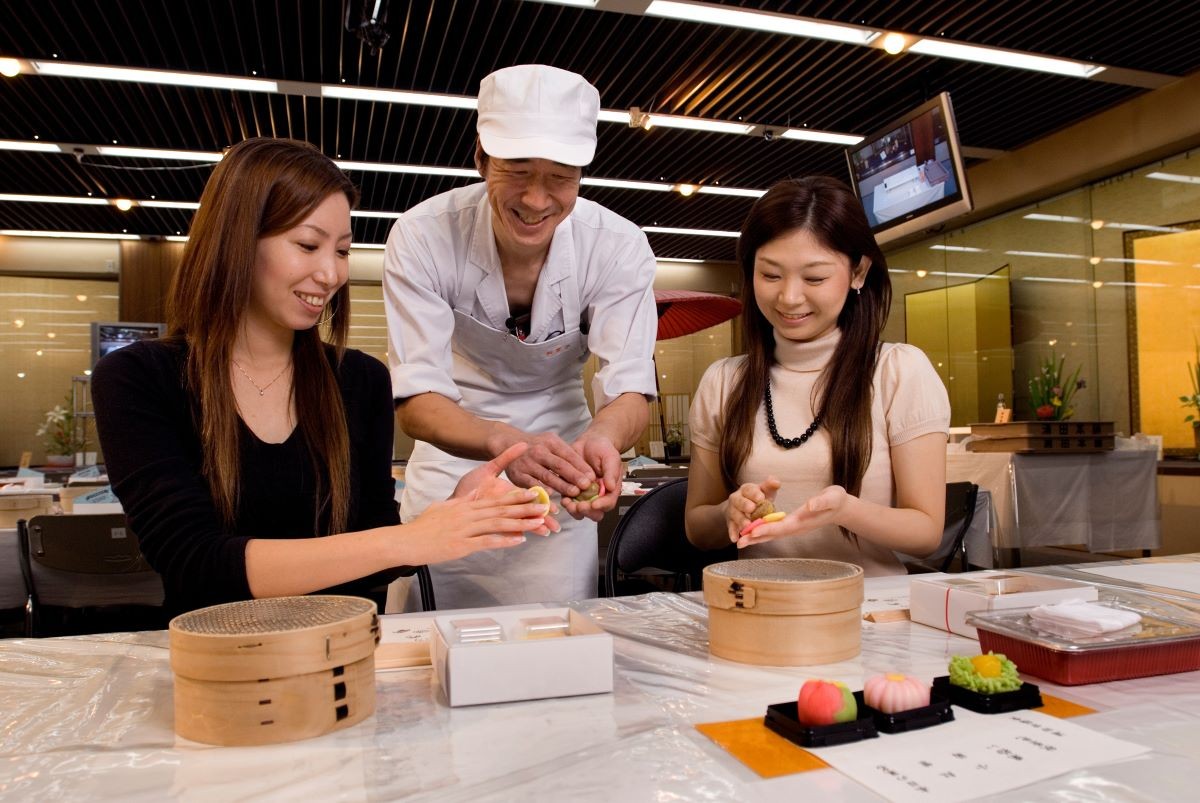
(787, 443)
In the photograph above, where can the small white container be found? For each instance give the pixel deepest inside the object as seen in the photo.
(944, 600)
(518, 667)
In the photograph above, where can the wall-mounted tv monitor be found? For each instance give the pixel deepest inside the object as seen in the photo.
(909, 175)
(108, 337)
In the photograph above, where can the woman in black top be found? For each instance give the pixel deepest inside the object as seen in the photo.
(252, 458)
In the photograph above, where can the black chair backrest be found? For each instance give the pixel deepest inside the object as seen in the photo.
(960, 512)
(85, 544)
(651, 535)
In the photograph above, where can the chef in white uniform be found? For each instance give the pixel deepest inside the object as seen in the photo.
(496, 293)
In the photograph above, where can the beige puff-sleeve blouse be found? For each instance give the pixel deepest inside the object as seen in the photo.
(909, 401)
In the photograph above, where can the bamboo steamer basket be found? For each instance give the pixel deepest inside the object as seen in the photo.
(784, 611)
(273, 670)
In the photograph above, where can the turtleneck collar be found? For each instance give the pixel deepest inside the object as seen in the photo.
(809, 355)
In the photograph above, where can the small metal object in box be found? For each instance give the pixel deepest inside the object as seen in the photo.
(1167, 640)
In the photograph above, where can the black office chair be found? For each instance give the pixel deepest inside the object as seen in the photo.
(92, 570)
(960, 512)
(650, 536)
(425, 588)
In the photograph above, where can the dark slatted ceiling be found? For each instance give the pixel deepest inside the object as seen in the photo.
(658, 65)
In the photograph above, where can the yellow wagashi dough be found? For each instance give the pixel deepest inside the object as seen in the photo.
(778, 515)
(542, 495)
(593, 491)
(988, 666)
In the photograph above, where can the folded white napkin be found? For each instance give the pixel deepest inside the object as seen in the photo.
(1089, 618)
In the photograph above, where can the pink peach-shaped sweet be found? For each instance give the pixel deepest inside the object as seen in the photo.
(825, 702)
(893, 692)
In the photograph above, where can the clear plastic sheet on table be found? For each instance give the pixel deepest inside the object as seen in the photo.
(91, 718)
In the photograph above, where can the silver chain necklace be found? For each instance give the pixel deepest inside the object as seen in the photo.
(262, 389)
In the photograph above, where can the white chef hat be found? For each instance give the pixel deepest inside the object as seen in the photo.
(533, 111)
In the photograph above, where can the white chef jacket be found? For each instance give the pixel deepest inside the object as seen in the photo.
(440, 265)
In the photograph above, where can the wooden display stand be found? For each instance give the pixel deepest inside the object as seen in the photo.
(1043, 437)
(784, 611)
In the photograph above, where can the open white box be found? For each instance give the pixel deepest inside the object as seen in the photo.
(521, 669)
(944, 600)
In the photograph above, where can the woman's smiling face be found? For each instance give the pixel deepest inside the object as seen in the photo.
(800, 286)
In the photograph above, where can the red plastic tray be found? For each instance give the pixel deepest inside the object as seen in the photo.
(1161, 645)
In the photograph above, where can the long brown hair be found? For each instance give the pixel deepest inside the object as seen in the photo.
(828, 210)
(260, 188)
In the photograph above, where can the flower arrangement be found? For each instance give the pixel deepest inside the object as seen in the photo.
(1050, 394)
(1193, 401)
(59, 426)
(674, 436)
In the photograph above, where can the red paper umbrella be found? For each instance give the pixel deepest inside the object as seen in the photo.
(685, 312)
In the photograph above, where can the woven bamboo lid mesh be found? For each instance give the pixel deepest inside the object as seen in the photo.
(785, 570)
(275, 615)
(272, 638)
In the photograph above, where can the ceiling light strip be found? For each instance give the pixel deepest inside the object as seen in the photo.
(1004, 58)
(102, 72)
(812, 135)
(158, 153)
(760, 21)
(1174, 177)
(689, 232)
(53, 199)
(369, 167)
(71, 235)
(345, 92)
(35, 147)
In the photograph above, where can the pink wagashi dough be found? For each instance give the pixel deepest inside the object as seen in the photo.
(825, 702)
(893, 692)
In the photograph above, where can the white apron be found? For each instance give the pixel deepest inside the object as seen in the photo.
(535, 387)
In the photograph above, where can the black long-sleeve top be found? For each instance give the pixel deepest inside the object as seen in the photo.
(153, 453)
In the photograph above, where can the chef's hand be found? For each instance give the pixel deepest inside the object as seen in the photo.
(820, 510)
(485, 482)
(599, 453)
(550, 462)
(742, 503)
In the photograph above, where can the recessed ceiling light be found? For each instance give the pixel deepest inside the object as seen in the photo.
(894, 43)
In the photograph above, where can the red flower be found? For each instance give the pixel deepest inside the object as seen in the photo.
(1045, 411)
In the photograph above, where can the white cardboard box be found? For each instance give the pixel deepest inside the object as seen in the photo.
(943, 600)
(517, 668)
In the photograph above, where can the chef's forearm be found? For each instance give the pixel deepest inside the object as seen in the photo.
(436, 419)
(622, 421)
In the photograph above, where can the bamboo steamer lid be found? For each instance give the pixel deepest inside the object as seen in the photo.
(272, 638)
(784, 611)
(273, 670)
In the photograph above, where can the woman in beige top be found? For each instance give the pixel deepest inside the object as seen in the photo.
(845, 432)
